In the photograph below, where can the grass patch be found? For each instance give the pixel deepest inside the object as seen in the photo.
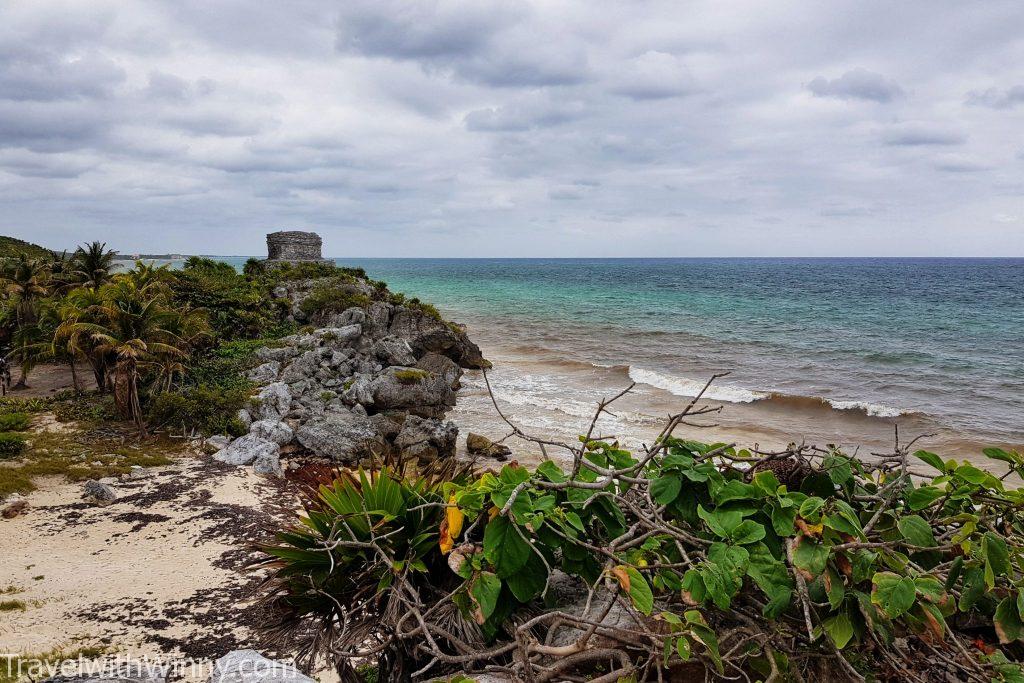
(11, 590)
(11, 444)
(411, 376)
(11, 605)
(14, 422)
(80, 455)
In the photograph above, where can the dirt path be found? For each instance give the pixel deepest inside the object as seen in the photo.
(47, 380)
(159, 572)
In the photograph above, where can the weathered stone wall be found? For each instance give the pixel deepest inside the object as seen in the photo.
(294, 245)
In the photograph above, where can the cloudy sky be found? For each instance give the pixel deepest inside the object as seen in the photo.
(516, 127)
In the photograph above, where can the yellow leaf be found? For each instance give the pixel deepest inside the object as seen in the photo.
(492, 513)
(620, 573)
(455, 519)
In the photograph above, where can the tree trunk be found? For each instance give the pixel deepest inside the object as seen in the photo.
(74, 377)
(22, 376)
(126, 393)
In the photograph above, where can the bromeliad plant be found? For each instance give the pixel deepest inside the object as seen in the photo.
(686, 559)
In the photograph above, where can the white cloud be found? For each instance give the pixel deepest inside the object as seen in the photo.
(512, 127)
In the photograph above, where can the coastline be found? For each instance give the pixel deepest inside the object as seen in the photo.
(557, 399)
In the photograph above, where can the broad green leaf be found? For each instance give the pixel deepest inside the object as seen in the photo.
(721, 522)
(683, 648)
(485, 591)
(552, 472)
(810, 506)
(665, 488)
(932, 459)
(528, 582)
(748, 531)
(1008, 622)
(974, 588)
(1000, 454)
(930, 588)
(921, 498)
(640, 591)
(783, 519)
(810, 556)
(916, 531)
(504, 547)
(839, 629)
(997, 558)
(893, 593)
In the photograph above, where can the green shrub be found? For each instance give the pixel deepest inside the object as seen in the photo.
(10, 404)
(85, 408)
(210, 410)
(824, 558)
(11, 444)
(333, 299)
(14, 422)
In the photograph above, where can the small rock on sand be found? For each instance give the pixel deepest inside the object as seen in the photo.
(13, 506)
(98, 493)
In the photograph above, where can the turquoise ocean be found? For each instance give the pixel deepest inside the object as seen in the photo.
(818, 349)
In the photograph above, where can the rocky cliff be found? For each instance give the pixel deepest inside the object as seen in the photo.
(369, 379)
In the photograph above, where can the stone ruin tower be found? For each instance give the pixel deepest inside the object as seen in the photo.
(294, 246)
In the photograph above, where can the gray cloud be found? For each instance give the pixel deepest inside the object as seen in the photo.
(997, 98)
(858, 84)
(917, 135)
(511, 127)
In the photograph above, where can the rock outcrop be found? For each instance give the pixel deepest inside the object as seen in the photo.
(249, 666)
(370, 380)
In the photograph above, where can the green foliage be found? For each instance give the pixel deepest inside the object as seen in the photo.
(14, 422)
(11, 444)
(333, 298)
(852, 548)
(209, 409)
(237, 307)
(11, 247)
(411, 375)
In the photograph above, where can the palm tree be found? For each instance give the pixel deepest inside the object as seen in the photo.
(26, 283)
(93, 264)
(135, 329)
(75, 312)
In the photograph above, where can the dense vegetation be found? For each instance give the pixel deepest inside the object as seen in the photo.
(690, 560)
(12, 247)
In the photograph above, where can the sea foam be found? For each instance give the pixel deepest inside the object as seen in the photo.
(683, 386)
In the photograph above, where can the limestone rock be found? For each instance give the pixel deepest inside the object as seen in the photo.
(427, 439)
(268, 465)
(244, 450)
(302, 367)
(412, 389)
(216, 442)
(274, 401)
(272, 430)
(393, 351)
(248, 666)
(481, 445)
(426, 333)
(342, 436)
(13, 506)
(266, 373)
(98, 493)
(244, 417)
(441, 365)
(338, 335)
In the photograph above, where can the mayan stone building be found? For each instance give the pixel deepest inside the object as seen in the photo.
(294, 246)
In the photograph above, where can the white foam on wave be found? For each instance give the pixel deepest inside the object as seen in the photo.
(871, 409)
(682, 386)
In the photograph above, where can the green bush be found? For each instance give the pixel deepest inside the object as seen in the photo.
(333, 299)
(210, 410)
(829, 561)
(85, 408)
(14, 422)
(11, 444)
